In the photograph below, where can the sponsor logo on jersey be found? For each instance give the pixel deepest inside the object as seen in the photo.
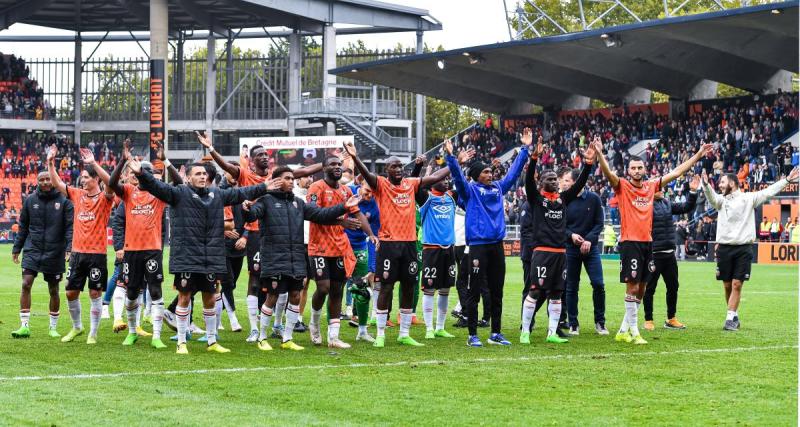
(36, 206)
(86, 216)
(402, 199)
(94, 274)
(641, 202)
(412, 268)
(151, 265)
(146, 209)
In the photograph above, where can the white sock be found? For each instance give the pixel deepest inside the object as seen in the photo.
(75, 313)
(554, 311)
(182, 314)
(280, 307)
(375, 294)
(54, 319)
(381, 316)
(405, 321)
(315, 316)
(632, 308)
(625, 326)
(210, 316)
(333, 329)
(731, 315)
(266, 316)
(528, 308)
(362, 329)
(132, 306)
(157, 313)
(139, 310)
(148, 302)
(441, 311)
(292, 314)
(427, 311)
(218, 306)
(24, 317)
(252, 311)
(95, 312)
(118, 302)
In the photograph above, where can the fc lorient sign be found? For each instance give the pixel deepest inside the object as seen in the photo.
(157, 108)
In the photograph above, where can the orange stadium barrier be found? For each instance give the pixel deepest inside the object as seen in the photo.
(777, 253)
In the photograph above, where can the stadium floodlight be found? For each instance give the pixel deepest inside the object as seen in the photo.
(776, 11)
(353, 70)
(611, 40)
(476, 59)
(440, 64)
(465, 53)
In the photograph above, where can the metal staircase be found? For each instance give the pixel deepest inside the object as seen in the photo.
(355, 117)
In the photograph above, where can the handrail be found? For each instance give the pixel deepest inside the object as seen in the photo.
(438, 146)
(347, 106)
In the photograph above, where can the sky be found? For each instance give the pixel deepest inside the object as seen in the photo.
(465, 23)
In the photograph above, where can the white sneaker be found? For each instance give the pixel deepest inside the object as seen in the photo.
(574, 331)
(235, 326)
(600, 328)
(253, 336)
(220, 327)
(337, 343)
(365, 336)
(349, 311)
(316, 337)
(105, 314)
(194, 329)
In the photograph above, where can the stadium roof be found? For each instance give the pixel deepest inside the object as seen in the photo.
(134, 15)
(742, 47)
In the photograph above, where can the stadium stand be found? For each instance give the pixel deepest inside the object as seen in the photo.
(20, 95)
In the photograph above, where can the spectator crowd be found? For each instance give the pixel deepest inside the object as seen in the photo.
(21, 97)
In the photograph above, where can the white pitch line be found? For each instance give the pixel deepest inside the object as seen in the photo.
(392, 364)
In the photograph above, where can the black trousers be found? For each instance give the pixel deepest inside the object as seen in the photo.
(487, 268)
(462, 261)
(229, 284)
(667, 267)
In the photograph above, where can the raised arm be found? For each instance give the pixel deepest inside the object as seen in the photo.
(691, 199)
(149, 183)
(88, 159)
(173, 173)
(308, 170)
(612, 178)
(418, 163)
(113, 181)
(530, 177)
(685, 166)
(760, 197)
(459, 181)
(519, 163)
(713, 198)
(369, 177)
(51, 169)
(234, 196)
(227, 167)
(434, 177)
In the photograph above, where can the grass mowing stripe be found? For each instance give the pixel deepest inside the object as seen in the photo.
(396, 364)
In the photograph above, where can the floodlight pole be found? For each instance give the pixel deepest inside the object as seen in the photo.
(420, 104)
(78, 89)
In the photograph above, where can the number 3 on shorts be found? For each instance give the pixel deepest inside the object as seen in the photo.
(634, 264)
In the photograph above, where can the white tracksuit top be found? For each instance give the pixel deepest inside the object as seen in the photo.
(736, 221)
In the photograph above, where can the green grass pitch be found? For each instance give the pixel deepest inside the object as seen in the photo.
(694, 377)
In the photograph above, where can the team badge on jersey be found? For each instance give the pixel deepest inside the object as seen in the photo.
(57, 205)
